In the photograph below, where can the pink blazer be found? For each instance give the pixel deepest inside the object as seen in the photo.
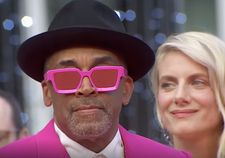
(46, 144)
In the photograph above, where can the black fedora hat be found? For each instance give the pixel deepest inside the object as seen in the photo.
(85, 22)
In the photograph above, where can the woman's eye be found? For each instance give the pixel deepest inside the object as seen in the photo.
(167, 86)
(199, 83)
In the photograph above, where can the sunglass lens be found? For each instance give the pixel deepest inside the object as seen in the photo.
(67, 80)
(104, 78)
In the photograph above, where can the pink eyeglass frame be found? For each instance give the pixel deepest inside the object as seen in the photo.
(122, 72)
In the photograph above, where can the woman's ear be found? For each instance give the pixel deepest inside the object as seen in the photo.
(127, 90)
(24, 132)
(46, 94)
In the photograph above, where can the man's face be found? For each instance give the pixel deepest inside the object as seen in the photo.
(7, 129)
(87, 113)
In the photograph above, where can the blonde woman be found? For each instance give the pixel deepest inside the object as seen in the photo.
(188, 81)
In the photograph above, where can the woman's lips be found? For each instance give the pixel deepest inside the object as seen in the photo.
(183, 113)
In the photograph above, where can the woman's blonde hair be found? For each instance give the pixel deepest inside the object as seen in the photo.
(205, 49)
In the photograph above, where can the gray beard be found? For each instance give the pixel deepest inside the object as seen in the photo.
(90, 127)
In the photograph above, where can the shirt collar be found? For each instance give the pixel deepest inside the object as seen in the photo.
(113, 149)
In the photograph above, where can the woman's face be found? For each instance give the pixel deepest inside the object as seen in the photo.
(186, 101)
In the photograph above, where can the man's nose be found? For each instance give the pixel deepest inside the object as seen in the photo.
(86, 88)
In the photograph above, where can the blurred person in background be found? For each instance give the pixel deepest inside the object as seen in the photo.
(188, 81)
(87, 64)
(12, 123)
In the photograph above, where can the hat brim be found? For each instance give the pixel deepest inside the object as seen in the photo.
(33, 53)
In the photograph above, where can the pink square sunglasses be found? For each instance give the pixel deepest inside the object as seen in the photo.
(69, 80)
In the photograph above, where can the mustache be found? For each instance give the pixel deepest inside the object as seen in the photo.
(93, 102)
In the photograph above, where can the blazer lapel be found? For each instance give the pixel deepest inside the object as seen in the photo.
(132, 146)
(48, 143)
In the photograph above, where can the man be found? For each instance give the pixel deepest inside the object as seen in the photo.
(86, 64)
(12, 127)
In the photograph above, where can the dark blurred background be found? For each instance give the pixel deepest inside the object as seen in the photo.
(150, 20)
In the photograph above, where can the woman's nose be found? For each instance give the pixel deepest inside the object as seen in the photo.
(181, 95)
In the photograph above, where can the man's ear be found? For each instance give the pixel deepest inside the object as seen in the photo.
(127, 89)
(46, 94)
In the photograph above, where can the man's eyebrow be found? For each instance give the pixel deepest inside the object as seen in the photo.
(105, 60)
(68, 62)
(97, 61)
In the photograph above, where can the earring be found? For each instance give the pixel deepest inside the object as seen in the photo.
(166, 136)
